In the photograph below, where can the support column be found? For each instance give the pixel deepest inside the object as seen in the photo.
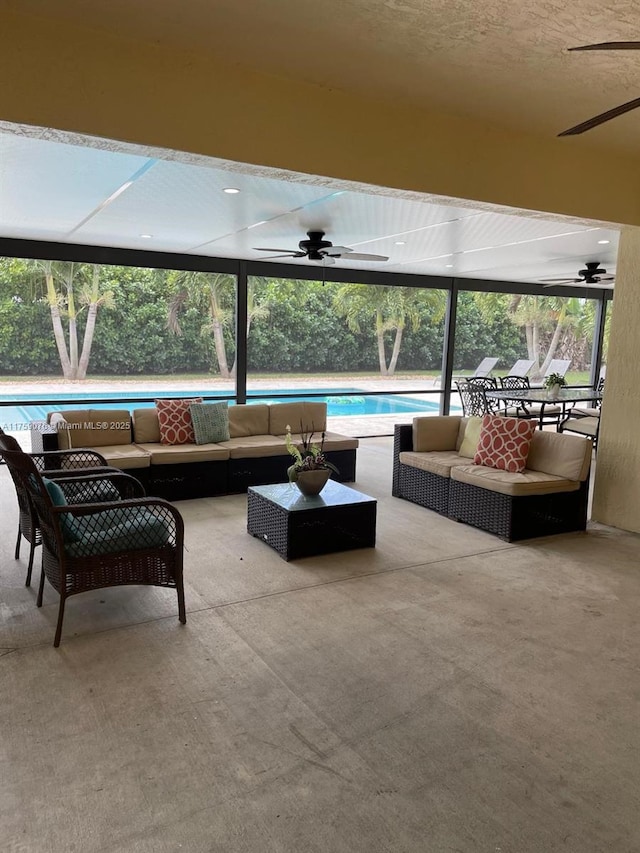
(617, 484)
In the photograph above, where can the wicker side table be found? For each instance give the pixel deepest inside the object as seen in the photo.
(338, 519)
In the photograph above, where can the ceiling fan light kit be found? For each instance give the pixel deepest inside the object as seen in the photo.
(315, 248)
(616, 111)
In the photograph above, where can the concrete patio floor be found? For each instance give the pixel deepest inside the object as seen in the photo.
(444, 692)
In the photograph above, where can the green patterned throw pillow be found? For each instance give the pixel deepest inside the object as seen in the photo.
(210, 422)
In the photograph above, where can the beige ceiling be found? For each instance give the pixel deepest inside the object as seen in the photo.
(503, 61)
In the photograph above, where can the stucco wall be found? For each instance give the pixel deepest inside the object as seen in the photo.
(58, 74)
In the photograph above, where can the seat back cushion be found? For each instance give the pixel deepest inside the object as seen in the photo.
(174, 417)
(68, 524)
(504, 443)
(210, 422)
(471, 437)
(246, 420)
(92, 427)
(436, 433)
(566, 456)
(304, 416)
(146, 426)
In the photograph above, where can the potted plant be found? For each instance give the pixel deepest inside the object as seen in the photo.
(311, 469)
(554, 382)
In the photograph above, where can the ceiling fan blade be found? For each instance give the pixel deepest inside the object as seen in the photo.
(337, 250)
(288, 251)
(324, 261)
(600, 119)
(610, 45)
(296, 255)
(360, 256)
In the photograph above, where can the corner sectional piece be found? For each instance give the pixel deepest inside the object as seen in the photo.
(549, 496)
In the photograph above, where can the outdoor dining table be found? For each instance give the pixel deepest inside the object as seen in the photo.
(544, 397)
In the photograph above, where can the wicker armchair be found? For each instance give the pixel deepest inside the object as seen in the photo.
(58, 463)
(90, 546)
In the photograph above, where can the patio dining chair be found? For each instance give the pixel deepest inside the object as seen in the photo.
(87, 546)
(590, 411)
(474, 400)
(59, 464)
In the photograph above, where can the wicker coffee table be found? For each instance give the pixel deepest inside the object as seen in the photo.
(295, 526)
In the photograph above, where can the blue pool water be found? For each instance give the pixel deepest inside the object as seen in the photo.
(340, 401)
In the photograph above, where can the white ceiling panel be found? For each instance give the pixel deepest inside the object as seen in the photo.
(72, 193)
(48, 188)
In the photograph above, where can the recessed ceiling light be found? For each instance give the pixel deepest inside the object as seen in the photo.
(146, 236)
(603, 242)
(231, 190)
(448, 266)
(400, 243)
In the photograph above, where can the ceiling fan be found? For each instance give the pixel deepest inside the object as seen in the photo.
(616, 111)
(321, 251)
(593, 274)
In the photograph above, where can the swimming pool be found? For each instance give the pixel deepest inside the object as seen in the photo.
(16, 413)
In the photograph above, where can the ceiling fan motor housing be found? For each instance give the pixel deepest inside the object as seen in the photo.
(314, 245)
(591, 270)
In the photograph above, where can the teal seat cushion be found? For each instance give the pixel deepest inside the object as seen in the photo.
(210, 422)
(67, 521)
(99, 491)
(55, 492)
(114, 530)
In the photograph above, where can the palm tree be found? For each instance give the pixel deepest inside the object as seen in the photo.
(391, 308)
(62, 305)
(535, 315)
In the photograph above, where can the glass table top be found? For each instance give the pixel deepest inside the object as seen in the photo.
(543, 395)
(289, 497)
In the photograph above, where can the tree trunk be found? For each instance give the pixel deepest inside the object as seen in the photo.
(531, 353)
(396, 351)
(382, 356)
(56, 321)
(555, 340)
(87, 343)
(234, 369)
(221, 352)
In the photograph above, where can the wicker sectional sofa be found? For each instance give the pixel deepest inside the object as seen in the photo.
(256, 453)
(549, 496)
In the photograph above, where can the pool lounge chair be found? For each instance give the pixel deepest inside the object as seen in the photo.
(558, 365)
(521, 367)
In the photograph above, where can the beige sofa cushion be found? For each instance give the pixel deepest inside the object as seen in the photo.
(146, 426)
(332, 441)
(435, 462)
(256, 446)
(526, 483)
(126, 456)
(436, 433)
(92, 427)
(567, 456)
(174, 454)
(312, 416)
(248, 420)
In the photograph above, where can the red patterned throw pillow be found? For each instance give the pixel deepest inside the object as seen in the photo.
(174, 417)
(504, 443)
